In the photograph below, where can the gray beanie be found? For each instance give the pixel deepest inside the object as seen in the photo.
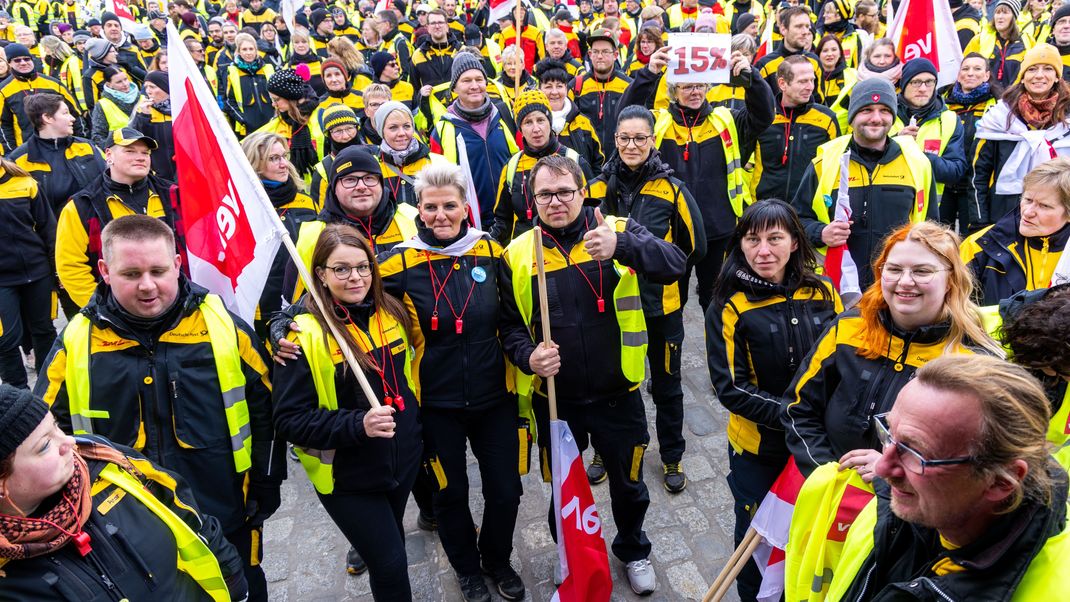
(385, 110)
(20, 413)
(870, 92)
(97, 48)
(464, 61)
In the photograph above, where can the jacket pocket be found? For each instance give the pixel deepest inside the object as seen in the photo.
(197, 412)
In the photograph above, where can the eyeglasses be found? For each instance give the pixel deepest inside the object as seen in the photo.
(639, 141)
(344, 129)
(922, 83)
(910, 459)
(21, 59)
(342, 272)
(279, 158)
(564, 196)
(691, 87)
(603, 52)
(368, 180)
(920, 274)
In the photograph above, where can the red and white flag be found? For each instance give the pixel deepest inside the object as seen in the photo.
(765, 45)
(580, 547)
(499, 9)
(772, 521)
(840, 266)
(121, 8)
(927, 29)
(232, 232)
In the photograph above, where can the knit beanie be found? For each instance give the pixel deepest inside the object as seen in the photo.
(95, 48)
(20, 413)
(530, 101)
(142, 32)
(1041, 54)
(337, 115)
(385, 110)
(109, 16)
(1062, 11)
(378, 61)
(316, 18)
(158, 79)
(285, 83)
(464, 61)
(334, 64)
(353, 159)
(14, 51)
(869, 92)
(743, 22)
(914, 68)
(706, 19)
(63, 27)
(1014, 5)
(845, 8)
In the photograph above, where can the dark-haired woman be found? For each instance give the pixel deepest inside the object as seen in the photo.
(769, 308)
(1030, 125)
(362, 459)
(970, 97)
(1002, 43)
(835, 74)
(574, 130)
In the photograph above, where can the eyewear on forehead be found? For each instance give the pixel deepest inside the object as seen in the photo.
(921, 274)
(342, 271)
(564, 196)
(909, 458)
(368, 180)
(639, 140)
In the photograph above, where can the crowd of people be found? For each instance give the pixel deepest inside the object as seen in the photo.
(877, 251)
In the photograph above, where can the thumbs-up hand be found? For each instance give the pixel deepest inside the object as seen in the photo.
(602, 240)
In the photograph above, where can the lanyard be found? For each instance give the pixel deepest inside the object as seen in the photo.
(690, 138)
(597, 292)
(367, 229)
(787, 131)
(390, 396)
(437, 290)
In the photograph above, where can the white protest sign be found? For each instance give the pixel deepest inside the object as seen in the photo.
(699, 58)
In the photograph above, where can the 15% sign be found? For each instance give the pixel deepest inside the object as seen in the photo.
(699, 58)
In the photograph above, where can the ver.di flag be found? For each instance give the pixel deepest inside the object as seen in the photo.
(499, 9)
(772, 521)
(927, 29)
(580, 547)
(121, 8)
(232, 233)
(840, 267)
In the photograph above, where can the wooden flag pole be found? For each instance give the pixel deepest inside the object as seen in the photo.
(544, 314)
(735, 564)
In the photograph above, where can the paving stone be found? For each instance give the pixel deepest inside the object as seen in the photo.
(699, 419)
(686, 581)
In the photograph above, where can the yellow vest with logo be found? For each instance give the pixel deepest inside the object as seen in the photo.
(77, 339)
(941, 129)
(721, 118)
(319, 463)
(117, 118)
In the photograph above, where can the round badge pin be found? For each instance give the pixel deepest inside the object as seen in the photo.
(479, 274)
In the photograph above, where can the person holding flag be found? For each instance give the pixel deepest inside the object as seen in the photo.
(597, 349)
(769, 308)
(157, 363)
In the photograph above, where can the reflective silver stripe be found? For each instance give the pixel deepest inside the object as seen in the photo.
(233, 396)
(733, 165)
(325, 456)
(237, 442)
(629, 303)
(81, 424)
(633, 339)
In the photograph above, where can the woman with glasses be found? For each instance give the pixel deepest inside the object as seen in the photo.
(270, 158)
(447, 277)
(769, 308)
(918, 310)
(514, 212)
(362, 458)
(1022, 250)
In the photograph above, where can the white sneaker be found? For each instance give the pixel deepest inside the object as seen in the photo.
(641, 576)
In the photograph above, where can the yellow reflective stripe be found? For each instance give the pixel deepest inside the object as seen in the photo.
(228, 366)
(194, 557)
(116, 117)
(405, 218)
(318, 464)
(828, 162)
(722, 121)
(307, 236)
(76, 341)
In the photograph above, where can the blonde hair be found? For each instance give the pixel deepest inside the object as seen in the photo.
(959, 309)
(257, 147)
(380, 90)
(346, 52)
(1054, 174)
(56, 47)
(243, 38)
(300, 34)
(441, 175)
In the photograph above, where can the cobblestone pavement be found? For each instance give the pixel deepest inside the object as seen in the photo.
(691, 531)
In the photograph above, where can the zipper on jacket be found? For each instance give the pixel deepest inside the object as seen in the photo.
(865, 582)
(102, 572)
(793, 332)
(936, 590)
(155, 410)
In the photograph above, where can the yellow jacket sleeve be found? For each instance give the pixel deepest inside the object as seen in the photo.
(72, 261)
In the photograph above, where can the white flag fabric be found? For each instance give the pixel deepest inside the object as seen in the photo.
(927, 29)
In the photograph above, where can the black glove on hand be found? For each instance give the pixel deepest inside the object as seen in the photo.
(237, 586)
(263, 501)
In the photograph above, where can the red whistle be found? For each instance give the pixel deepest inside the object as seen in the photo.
(601, 306)
(81, 543)
(459, 324)
(434, 322)
(529, 213)
(399, 401)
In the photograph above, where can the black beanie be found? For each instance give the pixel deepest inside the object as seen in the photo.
(107, 16)
(744, 21)
(14, 51)
(316, 18)
(1062, 11)
(915, 67)
(285, 83)
(158, 79)
(379, 61)
(464, 61)
(20, 413)
(354, 159)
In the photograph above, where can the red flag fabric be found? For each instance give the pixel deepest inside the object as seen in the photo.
(121, 8)
(500, 9)
(580, 547)
(772, 521)
(231, 230)
(927, 29)
(765, 45)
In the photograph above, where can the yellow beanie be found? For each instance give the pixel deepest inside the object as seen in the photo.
(528, 101)
(1042, 54)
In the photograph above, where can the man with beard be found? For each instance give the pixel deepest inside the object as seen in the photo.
(127, 54)
(24, 81)
(215, 39)
(433, 59)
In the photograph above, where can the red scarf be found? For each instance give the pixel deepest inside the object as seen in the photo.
(1037, 113)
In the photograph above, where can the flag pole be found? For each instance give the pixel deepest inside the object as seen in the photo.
(732, 567)
(544, 314)
(516, 80)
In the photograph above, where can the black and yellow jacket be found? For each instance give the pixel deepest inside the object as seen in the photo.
(156, 124)
(754, 345)
(989, 157)
(257, 18)
(133, 549)
(787, 146)
(28, 230)
(361, 464)
(315, 70)
(400, 178)
(247, 101)
(82, 220)
(61, 166)
(598, 101)
(14, 123)
(1004, 58)
(698, 150)
(969, 113)
(402, 91)
(431, 63)
(659, 202)
(294, 208)
(967, 23)
(829, 86)
(464, 370)
(767, 65)
(837, 392)
(1004, 262)
(156, 385)
(578, 134)
(93, 81)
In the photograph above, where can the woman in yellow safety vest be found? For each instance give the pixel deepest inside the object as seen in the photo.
(835, 74)
(362, 459)
(1002, 43)
(245, 86)
(118, 100)
(83, 519)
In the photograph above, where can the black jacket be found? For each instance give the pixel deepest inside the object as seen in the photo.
(600, 101)
(14, 123)
(589, 340)
(28, 230)
(787, 146)
(133, 553)
(61, 166)
(159, 382)
(431, 63)
(157, 125)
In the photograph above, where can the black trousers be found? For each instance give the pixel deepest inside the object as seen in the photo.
(706, 271)
(617, 429)
(666, 339)
(365, 520)
(954, 207)
(750, 478)
(492, 433)
(25, 308)
(250, 544)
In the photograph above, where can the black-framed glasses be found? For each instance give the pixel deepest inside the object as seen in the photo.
(350, 182)
(639, 141)
(343, 271)
(909, 458)
(565, 196)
